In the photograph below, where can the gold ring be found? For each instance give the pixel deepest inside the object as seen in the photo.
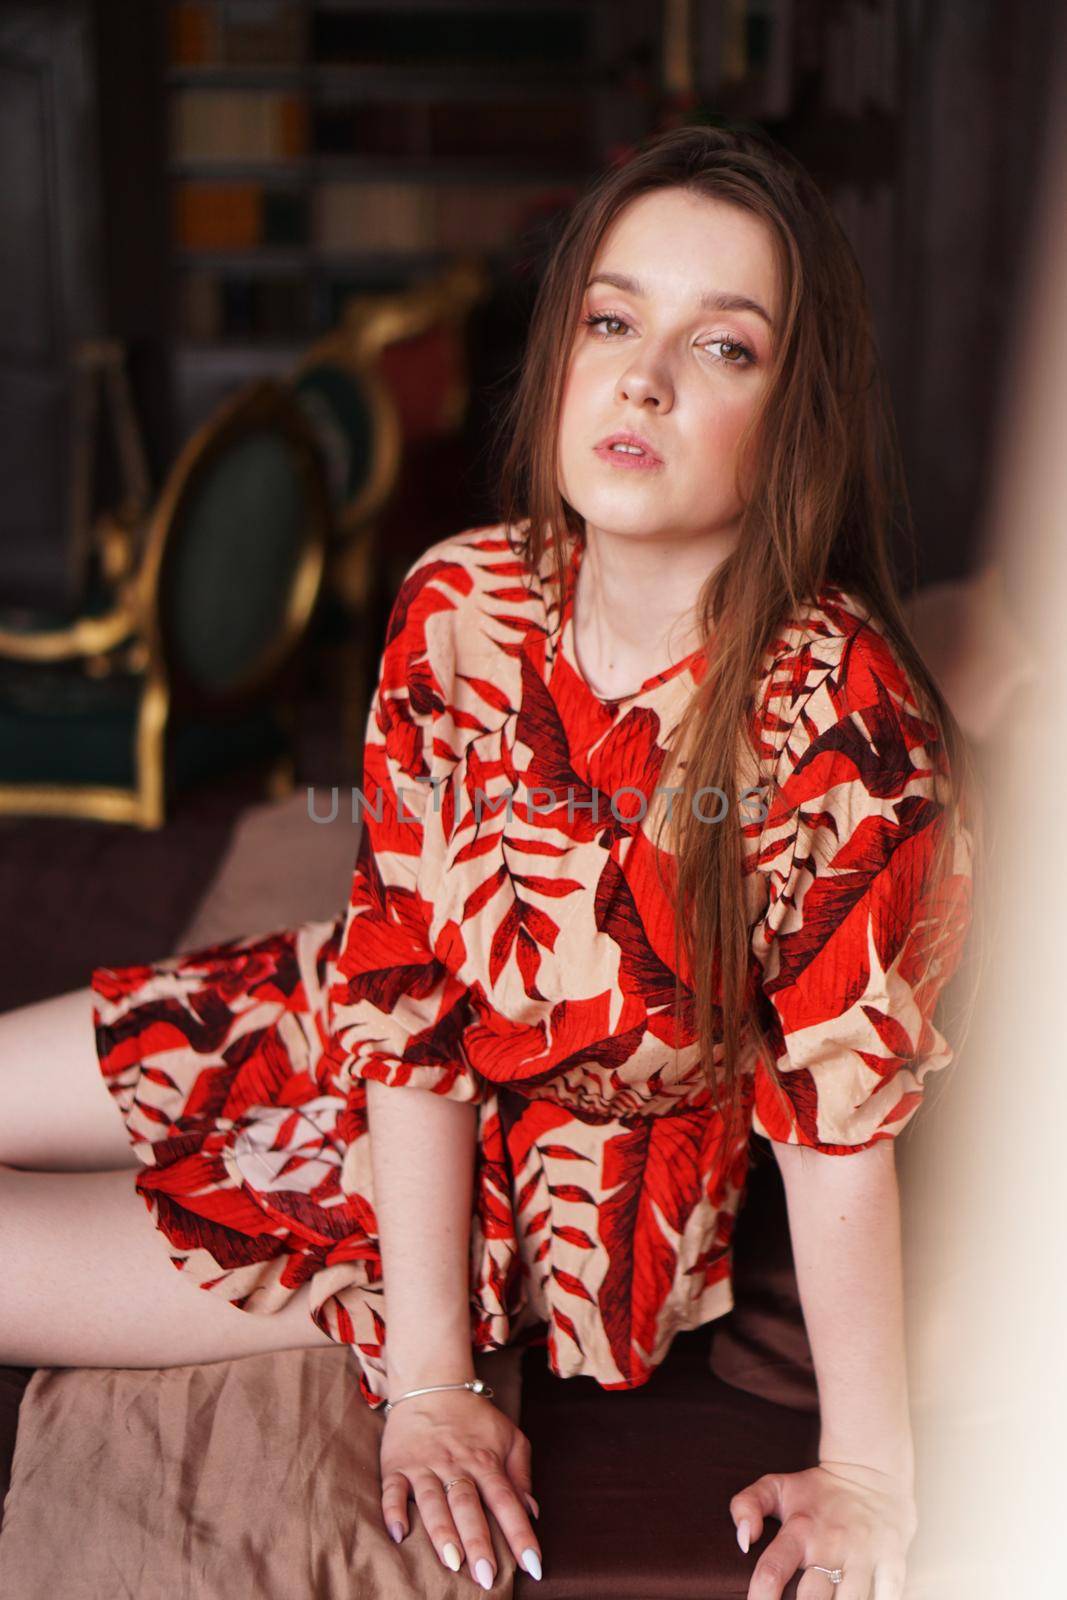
(461, 1479)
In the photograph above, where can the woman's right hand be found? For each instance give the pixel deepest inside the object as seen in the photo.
(454, 1433)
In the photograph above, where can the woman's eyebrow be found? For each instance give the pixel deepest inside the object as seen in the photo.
(711, 301)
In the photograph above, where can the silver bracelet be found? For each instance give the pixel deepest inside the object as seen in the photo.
(474, 1384)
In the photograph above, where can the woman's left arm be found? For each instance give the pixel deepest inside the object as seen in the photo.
(856, 1508)
(844, 1223)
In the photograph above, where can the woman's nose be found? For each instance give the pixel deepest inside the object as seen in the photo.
(645, 383)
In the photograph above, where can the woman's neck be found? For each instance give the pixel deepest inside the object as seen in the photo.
(634, 608)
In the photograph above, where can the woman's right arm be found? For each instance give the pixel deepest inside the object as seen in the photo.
(422, 1161)
(422, 1116)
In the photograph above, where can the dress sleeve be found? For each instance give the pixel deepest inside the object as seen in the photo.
(397, 1014)
(856, 943)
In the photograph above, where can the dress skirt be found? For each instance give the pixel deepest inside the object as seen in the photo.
(256, 1174)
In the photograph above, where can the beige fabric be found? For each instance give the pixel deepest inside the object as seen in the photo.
(281, 868)
(252, 1479)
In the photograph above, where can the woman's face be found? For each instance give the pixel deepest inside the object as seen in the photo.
(658, 363)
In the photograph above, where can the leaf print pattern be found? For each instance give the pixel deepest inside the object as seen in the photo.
(851, 924)
(521, 959)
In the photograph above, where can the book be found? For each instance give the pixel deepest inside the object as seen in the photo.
(192, 34)
(240, 33)
(227, 125)
(367, 217)
(218, 216)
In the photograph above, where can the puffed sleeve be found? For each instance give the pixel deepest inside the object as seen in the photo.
(397, 1014)
(856, 942)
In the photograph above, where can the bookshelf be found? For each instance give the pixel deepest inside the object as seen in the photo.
(320, 148)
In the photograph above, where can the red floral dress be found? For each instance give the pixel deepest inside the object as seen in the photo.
(523, 961)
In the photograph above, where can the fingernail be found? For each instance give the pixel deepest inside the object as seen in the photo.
(484, 1573)
(451, 1556)
(531, 1563)
(397, 1531)
(532, 1505)
(742, 1536)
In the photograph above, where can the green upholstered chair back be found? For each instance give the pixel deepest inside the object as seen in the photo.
(241, 548)
(339, 405)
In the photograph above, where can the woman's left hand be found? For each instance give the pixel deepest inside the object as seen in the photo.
(837, 1514)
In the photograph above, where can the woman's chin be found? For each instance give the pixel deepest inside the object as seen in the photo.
(625, 511)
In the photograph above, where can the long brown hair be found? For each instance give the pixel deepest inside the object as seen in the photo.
(826, 491)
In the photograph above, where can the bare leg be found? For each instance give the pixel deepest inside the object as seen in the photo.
(56, 1111)
(88, 1283)
(86, 1277)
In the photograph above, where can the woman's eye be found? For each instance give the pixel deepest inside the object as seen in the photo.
(596, 321)
(736, 348)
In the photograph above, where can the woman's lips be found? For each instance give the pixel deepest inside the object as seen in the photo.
(625, 458)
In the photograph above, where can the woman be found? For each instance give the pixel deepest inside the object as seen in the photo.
(691, 567)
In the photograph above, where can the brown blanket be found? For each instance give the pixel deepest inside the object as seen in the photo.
(252, 1479)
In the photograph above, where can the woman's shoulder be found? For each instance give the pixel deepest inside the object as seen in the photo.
(463, 600)
(472, 558)
(465, 570)
(830, 657)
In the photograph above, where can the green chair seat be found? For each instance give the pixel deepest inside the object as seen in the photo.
(58, 726)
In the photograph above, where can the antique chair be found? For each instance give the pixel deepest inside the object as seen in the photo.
(190, 672)
(382, 391)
